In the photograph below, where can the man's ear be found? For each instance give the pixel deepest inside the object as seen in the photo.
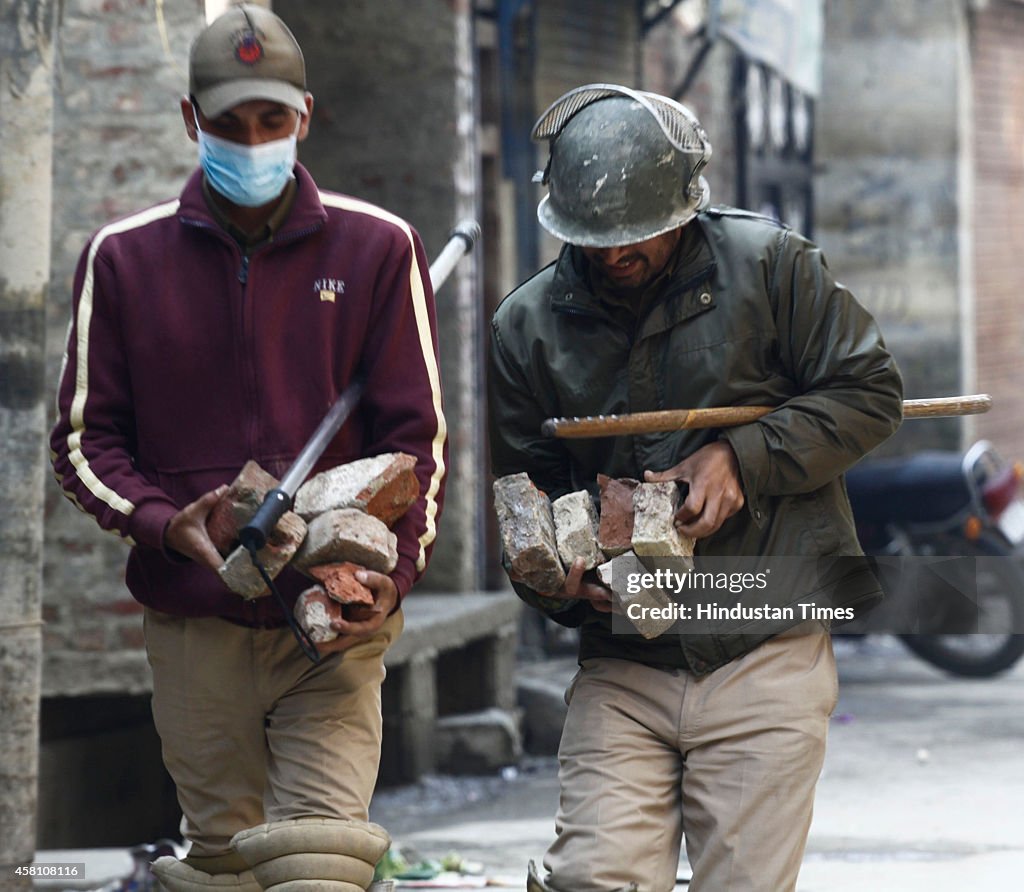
(188, 117)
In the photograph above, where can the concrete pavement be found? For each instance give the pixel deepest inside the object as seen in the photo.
(922, 790)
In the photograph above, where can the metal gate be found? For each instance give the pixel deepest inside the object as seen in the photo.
(774, 145)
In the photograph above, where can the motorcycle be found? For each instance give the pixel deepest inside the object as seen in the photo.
(939, 503)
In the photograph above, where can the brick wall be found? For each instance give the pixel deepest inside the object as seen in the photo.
(119, 145)
(394, 123)
(997, 48)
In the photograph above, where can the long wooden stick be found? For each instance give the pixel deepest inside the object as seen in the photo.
(730, 416)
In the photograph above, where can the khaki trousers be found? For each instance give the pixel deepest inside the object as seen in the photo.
(252, 731)
(730, 759)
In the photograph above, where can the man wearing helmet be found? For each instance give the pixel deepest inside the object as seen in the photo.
(659, 301)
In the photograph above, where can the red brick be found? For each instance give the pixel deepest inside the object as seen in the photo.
(94, 639)
(238, 505)
(123, 607)
(240, 574)
(384, 486)
(615, 533)
(998, 121)
(315, 610)
(54, 640)
(341, 584)
(394, 492)
(132, 637)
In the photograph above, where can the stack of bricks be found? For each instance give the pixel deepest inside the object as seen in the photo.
(340, 524)
(635, 527)
(350, 510)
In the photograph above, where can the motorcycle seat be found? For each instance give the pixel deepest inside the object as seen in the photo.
(927, 487)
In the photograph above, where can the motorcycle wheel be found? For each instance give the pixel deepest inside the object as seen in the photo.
(982, 655)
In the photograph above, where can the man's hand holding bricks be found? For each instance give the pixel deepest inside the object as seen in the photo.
(575, 586)
(715, 489)
(186, 531)
(366, 621)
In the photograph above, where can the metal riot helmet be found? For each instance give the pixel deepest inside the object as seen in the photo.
(624, 167)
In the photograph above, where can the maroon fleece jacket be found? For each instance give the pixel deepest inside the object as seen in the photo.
(185, 359)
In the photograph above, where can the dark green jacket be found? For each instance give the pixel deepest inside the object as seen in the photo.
(750, 316)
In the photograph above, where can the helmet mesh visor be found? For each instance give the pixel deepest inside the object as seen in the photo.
(558, 115)
(679, 126)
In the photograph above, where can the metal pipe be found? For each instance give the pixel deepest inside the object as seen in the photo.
(460, 242)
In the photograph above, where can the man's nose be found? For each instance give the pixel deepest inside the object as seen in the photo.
(249, 135)
(611, 256)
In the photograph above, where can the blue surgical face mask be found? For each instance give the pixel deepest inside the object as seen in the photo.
(249, 176)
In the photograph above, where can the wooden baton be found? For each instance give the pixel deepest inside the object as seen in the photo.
(730, 416)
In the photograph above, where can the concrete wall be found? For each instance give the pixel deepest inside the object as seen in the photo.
(997, 45)
(395, 123)
(888, 207)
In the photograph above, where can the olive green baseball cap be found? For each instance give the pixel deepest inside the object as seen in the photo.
(246, 53)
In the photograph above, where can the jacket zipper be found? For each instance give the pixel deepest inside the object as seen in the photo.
(248, 338)
(248, 369)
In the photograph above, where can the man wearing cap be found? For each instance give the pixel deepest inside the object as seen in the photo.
(219, 328)
(659, 301)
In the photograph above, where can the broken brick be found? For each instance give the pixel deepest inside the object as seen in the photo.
(241, 576)
(384, 486)
(341, 584)
(615, 575)
(314, 611)
(527, 530)
(576, 529)
(240, 503)
(615, 533)
(348, 534)
(654, 530)
(394, 492)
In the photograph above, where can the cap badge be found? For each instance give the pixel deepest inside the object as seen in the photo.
(248, 49)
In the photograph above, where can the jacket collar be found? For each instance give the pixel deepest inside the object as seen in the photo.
(307, 212)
